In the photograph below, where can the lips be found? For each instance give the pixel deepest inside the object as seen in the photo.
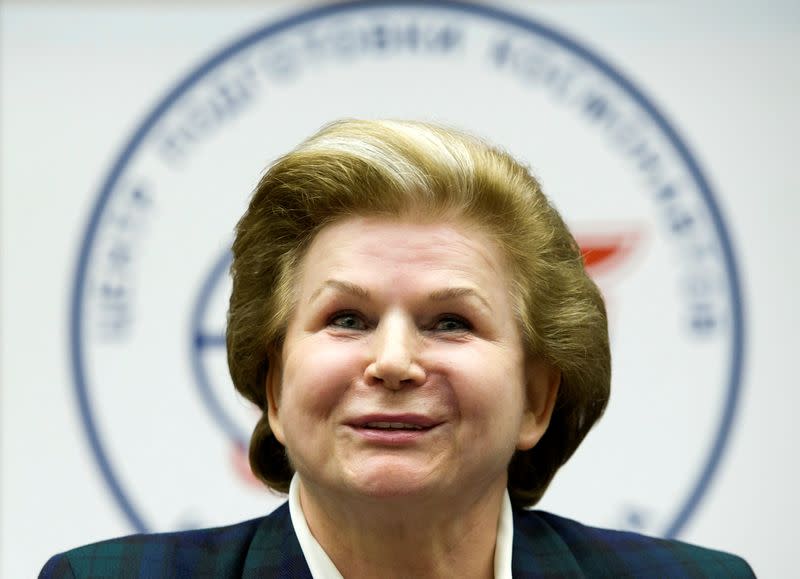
(390, 422)
(394, 430)
(393, 426)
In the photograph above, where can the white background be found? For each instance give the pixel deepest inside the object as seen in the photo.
(78, 78)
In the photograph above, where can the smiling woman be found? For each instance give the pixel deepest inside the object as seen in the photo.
(414, 321)
(405, 376)
(488, 207)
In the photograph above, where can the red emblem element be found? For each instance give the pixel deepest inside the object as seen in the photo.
(606, 252)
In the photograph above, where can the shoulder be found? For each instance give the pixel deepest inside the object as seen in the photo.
(215, 552)
(603, 552)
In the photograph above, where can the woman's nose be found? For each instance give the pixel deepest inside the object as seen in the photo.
(394, 361)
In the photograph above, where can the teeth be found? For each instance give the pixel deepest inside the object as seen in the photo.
(393, 425)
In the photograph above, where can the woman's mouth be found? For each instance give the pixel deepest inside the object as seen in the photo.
(393, 426)
(395, 430)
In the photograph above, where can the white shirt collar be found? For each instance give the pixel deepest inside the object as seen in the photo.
(322, 567)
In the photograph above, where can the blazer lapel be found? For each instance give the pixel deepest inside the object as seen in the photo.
(275, 551)
(538, 551)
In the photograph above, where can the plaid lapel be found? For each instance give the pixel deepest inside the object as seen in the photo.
(275, 551)
(538, 551)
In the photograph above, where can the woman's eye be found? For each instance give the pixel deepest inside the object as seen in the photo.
(347, 321)
(452, 324)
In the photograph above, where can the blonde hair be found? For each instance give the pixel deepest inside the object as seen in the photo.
(404, 168)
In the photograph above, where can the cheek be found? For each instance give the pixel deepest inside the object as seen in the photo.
(316, 377)
(489, 385)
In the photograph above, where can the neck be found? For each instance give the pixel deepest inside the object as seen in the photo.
(406, 538)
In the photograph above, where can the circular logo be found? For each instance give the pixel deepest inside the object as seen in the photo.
(150, 295)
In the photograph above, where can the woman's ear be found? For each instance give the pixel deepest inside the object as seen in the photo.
(542, 380)
(273, 386)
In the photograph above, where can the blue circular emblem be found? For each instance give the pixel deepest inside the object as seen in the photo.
(646, 189)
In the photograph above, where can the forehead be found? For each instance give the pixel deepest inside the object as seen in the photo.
(365, 246)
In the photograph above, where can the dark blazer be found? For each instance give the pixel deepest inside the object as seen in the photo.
(544, 546)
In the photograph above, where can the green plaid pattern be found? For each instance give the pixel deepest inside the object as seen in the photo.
(545, 546)
(549, 546)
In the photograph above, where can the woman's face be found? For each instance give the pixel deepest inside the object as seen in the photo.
(403, 371)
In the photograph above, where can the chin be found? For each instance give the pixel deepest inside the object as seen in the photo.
(388, 482)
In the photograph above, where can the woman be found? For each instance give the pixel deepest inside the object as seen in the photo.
(414, 321)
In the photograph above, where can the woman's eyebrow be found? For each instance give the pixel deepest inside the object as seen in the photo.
(342, 286)
(438, 295)
(457, 292)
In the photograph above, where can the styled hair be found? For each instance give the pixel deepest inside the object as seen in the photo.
(413, 169)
